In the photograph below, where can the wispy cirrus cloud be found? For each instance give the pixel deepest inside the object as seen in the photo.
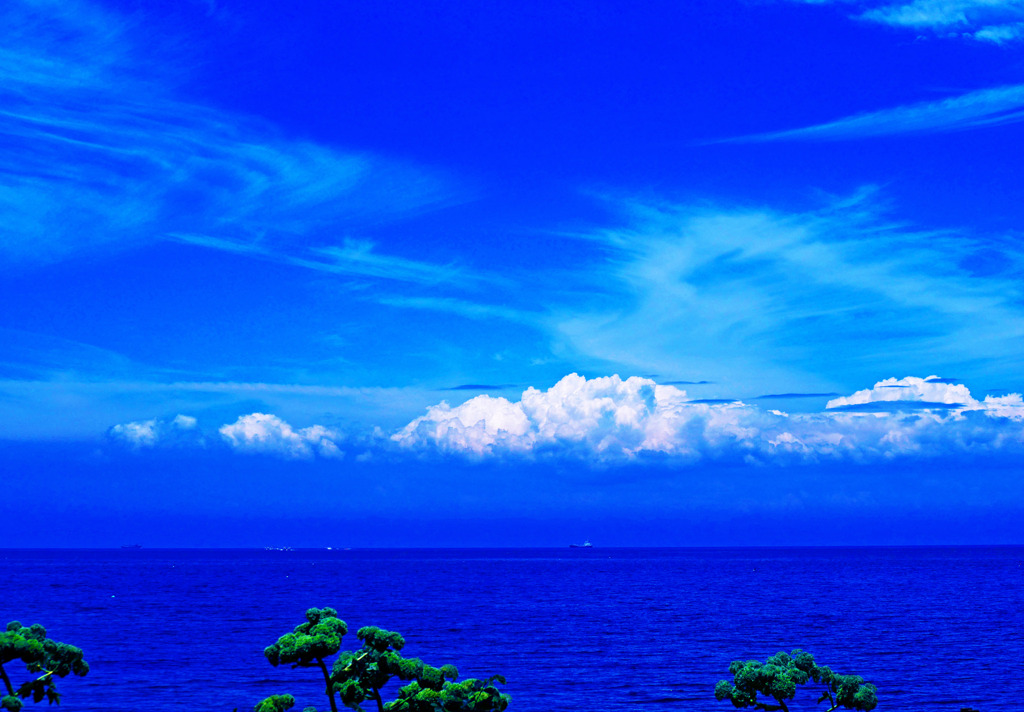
(98, 152)
(996, 21)
(351, 258)
(970, 16)
(464, 308)
(976, 109)
(762, 300)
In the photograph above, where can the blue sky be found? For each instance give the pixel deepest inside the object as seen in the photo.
(722, 272)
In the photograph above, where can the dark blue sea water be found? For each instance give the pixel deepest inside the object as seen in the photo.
(571, 629)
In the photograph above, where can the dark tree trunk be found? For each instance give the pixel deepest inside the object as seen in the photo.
(327, 682)
(7, 681)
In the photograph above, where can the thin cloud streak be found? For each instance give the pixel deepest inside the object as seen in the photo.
(465, 308)
(231, 387)
(355, 258)
(37, 409)
(977, 109)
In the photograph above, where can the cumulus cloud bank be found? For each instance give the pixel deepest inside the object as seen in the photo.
(259, 433)
(602, 415)
(268, 434)
(611, 419)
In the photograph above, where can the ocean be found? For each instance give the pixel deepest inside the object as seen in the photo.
(934, 628)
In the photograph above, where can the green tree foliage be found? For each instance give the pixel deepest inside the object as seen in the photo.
(45, 659)
(360, 675)
(777, 678)
(310, 644)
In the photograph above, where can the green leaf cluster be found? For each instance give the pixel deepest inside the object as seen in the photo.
(470, 695)
(319, 637)
(42, 656)
(276, 703)
(778, 677)
(359, 676)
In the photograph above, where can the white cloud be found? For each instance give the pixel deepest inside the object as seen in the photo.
(922, 13)
(943, 14)
(912, 393)
(1001, 34)
(463, 308)
(987, 20)
(268, 434)
(137, 434)
(185, 422)
(613, 420)
(352, 258)
(909, 390)
(1009, 406)
(757, 299)
(984, 107)
(605, 415)
(99, 153)
(143, 434)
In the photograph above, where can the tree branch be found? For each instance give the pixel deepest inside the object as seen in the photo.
(7, 681)
(831, 700)
(330, 687)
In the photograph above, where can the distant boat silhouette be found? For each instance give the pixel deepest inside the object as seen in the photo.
(585, 545)
(131, 546)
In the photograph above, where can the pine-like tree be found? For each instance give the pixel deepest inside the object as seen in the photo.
(361, 675)
(44, 658)
(777, 678)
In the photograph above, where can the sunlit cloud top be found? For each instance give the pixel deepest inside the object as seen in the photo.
(614, 420)
(610, 420)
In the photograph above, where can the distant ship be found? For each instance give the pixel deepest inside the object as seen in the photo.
(584, 545)
(131, 546)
